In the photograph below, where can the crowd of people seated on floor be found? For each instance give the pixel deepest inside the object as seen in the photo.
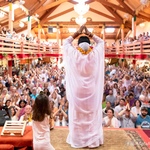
(126, 101)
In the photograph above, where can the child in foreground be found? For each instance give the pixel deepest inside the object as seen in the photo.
(40, 126)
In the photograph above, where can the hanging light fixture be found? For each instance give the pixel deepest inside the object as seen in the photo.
(2, 14)
(80, 20)
(143, 2)
(81, 8)
(142, 25)
(21, 24)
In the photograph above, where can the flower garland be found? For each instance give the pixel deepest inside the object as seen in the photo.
(83, 51)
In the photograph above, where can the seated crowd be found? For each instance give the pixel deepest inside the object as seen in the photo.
(126, 94)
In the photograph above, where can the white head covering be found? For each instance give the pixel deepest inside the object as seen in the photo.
(84, 45)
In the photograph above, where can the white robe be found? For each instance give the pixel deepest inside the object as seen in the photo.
(84, 90)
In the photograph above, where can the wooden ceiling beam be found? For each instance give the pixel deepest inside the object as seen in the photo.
(102, 14)
(143, 17)
(93, 23)
(115, 14)
(116, 7)
(51, 5)
(118, 33)
(128, 9)
(15, 20)
(60, 14)
(36, 7)
(128, 25)
(25, 28)
(44, 18)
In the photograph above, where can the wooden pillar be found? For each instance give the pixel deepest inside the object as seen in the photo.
(122, 34)
(57, 35)
(28, 65)
(134, 64)
(10, 68)
(123, 62)
(39, 31)
(134, 26)
(29, 25)
(11, 17)
(103, 32)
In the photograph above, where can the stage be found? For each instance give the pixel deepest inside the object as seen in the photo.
(114, 139)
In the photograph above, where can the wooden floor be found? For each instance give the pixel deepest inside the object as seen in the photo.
(113, 140)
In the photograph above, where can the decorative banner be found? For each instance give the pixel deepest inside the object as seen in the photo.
(122, 26)
(11, 11)
(28, 18)
(10, 6)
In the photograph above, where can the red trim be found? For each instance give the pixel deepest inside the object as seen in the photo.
(119, 56)
(145, 138)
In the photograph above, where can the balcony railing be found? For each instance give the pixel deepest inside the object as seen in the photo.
(10, 46)
(142, 47)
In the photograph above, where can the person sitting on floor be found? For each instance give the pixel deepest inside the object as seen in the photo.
(110, 121)
(127, 117)
(143, 120)
(108, 106)
(28, 115)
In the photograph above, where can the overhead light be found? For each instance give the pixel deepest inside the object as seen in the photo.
(109, 30)
(142, 25)
(80, 20)
(54, 29)
(2, 14)
(90, 29)
(81, 8)
(143, 2)
(80, 0)
(72, 30)
(21, 24)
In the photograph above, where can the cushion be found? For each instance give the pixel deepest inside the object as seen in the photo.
(6, 147)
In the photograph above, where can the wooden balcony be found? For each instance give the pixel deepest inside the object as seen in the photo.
(22, 49)
(135, 50)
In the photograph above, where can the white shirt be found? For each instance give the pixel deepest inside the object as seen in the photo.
(114, 121)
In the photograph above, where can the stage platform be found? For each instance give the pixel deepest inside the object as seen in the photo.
(114, 139)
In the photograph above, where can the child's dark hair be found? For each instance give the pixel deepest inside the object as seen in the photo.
(41, 107)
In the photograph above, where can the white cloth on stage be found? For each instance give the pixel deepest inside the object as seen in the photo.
(84, 91)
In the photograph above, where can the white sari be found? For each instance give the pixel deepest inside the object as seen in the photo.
(84, 90)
